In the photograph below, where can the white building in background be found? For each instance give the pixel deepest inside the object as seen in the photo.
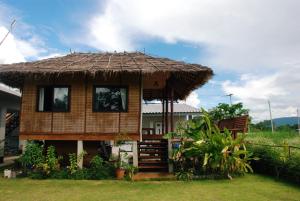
(152, 115)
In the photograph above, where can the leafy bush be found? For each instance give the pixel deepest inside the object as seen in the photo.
(276, 163)
(51, 162)
(130, 170)
(74, 160)
(32, 157)
(36, 165)
(100, 169)
(205, 150)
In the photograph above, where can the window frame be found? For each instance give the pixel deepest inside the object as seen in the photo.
(110, 86)
(52, 88)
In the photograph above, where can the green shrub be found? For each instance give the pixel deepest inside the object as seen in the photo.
(40, 166)
(74, 160)
(60, 174)
(130, 170)
(275, 162)
(32, 157)
(100, 169)
(51, 162)
(79, 174)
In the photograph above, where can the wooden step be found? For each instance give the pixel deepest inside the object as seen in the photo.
(153, 162)
(151, 157)
(153, 167)
(153, 143)
(152, 147)
(153, 152)
(150, 137)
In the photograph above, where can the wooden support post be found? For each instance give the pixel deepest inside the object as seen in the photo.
(163, 117)
(172, 110)
(167, 114)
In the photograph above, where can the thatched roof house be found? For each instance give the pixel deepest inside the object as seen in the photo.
(183, 76)
(84, 100)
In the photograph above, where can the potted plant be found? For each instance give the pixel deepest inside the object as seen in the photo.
(119, 163)
(120, 171)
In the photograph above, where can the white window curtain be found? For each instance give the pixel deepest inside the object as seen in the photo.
(123, 97)
(41, 99)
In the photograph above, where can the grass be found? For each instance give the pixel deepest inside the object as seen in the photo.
(249, 187)
(277, 138)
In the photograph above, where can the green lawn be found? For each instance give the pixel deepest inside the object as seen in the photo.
(249, 187)
(278, 137)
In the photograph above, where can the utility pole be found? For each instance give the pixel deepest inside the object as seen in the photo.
(298, 116)
(230, 98)
(271, 119)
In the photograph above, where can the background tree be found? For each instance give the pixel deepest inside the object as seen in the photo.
(226, 111)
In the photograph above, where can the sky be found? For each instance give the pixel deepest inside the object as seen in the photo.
(252, 45)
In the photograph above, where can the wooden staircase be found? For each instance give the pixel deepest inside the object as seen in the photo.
(153, 154)
(11, 134)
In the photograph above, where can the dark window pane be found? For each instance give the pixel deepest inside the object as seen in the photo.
(45, 97)
(60, 99)
(110, 99)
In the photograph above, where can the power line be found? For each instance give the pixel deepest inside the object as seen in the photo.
(10, 29)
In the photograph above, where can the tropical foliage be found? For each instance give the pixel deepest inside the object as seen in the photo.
(204, 150)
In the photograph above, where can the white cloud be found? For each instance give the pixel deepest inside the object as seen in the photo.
(193, 100)
(237, 34)
(251, 37)
(280, 88)
(9, 52)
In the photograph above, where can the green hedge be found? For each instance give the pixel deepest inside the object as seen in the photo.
(275, 162)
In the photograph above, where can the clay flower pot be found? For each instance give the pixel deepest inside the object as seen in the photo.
(120, 173)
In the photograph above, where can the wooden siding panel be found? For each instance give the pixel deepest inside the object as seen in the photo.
(80, 119)
(129, 121)
(72, 121)
(27, 109)
(102, 122)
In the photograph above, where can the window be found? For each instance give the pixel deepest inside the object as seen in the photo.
(54, 99)
(110, 99)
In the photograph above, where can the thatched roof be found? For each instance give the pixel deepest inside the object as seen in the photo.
(190, 76)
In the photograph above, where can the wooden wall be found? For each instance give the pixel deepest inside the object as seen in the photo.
(81, 123)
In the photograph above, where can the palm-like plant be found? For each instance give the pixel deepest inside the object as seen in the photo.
(202, 143)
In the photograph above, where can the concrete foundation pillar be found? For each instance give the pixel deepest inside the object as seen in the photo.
(79, 152)
(170, 152)
(2, 132)
(135, 154)
(22, 145)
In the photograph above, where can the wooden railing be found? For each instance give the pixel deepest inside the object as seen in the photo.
(150, 133)
(234, 125)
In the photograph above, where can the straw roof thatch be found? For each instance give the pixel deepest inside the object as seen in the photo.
(186, 76)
